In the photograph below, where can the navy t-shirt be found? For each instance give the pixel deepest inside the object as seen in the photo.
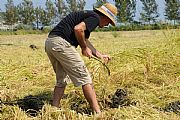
(65, 28)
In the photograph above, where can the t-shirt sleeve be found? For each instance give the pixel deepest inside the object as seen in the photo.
(92, 22)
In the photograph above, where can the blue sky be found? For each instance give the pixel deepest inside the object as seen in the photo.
(89, 4)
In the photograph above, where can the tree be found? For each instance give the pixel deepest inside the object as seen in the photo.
(50, 12)
(26, 12)
(99, 3)
(81, 4)
(61, 8)
(43, 16)
(38, 11)
(172, 10)
(126, 10)
(72, 5)
(10, 15)
(149, 13)
(75, 5)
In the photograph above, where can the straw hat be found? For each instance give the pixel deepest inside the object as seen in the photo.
(109, 10)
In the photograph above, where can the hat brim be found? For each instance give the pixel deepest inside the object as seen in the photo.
(105, 13)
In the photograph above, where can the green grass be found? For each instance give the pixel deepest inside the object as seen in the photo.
(144, 63)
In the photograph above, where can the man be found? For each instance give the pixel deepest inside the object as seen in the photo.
(60, 46)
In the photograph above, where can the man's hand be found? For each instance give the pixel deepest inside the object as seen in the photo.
(106, 58)
(97, 54)
(87, 52)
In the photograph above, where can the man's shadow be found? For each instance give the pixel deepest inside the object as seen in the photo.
(32, 104)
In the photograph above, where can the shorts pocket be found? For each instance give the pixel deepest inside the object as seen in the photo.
(67, 44)
(81, 71)
(57, 49)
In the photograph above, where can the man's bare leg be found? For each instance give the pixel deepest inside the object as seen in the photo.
(90, 96)
(58, 93)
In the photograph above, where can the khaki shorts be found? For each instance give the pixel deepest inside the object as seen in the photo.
(66, 62)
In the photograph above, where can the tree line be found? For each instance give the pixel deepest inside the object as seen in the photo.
(27, 13)
(149, 13)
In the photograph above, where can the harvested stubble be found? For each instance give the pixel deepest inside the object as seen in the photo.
(146, 63)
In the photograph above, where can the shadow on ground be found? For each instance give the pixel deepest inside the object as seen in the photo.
(6, 44)
(172, 107)
(32, 104)
(119, 99)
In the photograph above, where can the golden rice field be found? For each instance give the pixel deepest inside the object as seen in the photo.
(145, 67)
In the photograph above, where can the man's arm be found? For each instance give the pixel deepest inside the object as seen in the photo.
(96, 53)
(80, 36)
(87, 48)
